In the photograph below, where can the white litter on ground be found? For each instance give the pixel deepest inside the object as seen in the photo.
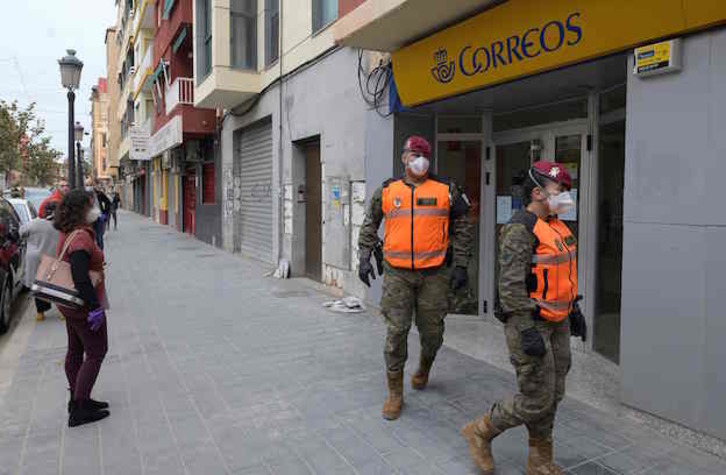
(346, 305)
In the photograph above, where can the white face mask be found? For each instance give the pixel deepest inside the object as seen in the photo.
(419, 165)
(93, 215)
(560, 203)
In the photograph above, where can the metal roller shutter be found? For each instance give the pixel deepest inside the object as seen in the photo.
(253, 192)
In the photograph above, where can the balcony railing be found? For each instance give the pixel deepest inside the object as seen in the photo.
(142, 69)
(181, 92)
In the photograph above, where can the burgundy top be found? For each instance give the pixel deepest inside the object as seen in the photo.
(84, 241)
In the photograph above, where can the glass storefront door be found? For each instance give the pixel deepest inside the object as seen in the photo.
(460, 161)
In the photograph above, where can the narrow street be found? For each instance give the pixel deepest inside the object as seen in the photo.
(215, 369)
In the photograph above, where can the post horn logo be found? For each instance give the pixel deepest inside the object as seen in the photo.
(444, 70)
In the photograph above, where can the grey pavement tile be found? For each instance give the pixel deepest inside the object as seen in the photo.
(592, 468)
(353, 448)
(408, 461)
(162, 462)
(205, 459)
(378, 433)
(258, 470)
(289, 465)
(321, 456)
(628, 461)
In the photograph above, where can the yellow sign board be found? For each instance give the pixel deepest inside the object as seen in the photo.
(658, 58)
(526, 37)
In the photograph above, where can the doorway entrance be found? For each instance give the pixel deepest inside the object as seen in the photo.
(190, 201)
(313, 212)
(459, 145)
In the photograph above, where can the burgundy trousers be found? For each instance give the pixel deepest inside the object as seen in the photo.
(82, 372)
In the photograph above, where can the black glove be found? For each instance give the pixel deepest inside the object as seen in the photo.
(459, 278)
(378, 255)
(365, 269)
(578, 325)
(532, 343)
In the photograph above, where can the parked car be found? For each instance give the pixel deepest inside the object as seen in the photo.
(25, 209)
(37, 195)
(12, 250)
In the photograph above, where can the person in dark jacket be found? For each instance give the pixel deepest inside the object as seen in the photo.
(86, 326)
(104, 205)
(115, 205)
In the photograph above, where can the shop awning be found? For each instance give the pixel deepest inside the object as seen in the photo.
(179, 40)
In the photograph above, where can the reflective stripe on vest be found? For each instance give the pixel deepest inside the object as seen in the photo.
(554, 264)
(417, 224)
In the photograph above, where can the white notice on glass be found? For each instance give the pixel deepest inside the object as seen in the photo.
(572, 214)
(504, 209)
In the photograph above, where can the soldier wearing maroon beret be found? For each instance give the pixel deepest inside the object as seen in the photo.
(537, 302)
(426, 231)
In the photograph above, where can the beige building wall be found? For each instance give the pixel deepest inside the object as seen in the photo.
(99, 115)
(226, 86)
(113, 136)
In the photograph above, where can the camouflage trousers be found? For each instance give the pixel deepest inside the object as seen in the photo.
(406, 293)
(541, 380)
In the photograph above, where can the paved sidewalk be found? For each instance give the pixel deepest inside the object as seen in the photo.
(214, 369)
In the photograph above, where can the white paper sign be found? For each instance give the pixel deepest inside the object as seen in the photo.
(504, 209)
(572, 215)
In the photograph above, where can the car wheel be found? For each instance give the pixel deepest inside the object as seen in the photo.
(5, 304)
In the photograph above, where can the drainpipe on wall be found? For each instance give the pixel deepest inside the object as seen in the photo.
(281, 185)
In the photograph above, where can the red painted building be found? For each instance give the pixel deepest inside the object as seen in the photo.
(182, 135)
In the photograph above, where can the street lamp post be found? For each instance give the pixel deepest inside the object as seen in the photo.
(70, 69)
(78, 132)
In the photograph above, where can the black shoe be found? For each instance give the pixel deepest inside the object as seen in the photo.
(93, 404)
(82, 414)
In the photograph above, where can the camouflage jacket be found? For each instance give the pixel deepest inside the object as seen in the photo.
(517, 244)
(461, 229)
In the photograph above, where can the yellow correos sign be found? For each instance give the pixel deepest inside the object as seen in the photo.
(525, 37)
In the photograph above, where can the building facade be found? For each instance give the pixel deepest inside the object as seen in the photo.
(100, 167)
(182, 144)
(113, 92)
(294, 135)
(628, 101)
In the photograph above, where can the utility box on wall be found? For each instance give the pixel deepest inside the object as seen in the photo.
(336, 225)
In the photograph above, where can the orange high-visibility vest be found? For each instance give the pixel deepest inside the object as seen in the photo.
(554, 263)
(417, 224)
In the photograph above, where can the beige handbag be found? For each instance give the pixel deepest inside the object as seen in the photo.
(54, 281)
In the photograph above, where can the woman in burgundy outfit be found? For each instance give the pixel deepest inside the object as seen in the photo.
(86, 326)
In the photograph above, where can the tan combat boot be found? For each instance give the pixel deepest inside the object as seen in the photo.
(541, 460)
(480, 434)
(421, 377)
(394, 401)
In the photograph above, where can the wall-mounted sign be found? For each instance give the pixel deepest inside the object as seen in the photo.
(658, 58)
(524, 37)
(139, 137)
(170, 135)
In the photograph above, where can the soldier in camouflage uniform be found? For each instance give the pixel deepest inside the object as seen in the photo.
(539, 346)
(416, 280)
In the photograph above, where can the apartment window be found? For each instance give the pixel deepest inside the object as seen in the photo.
(243, 37)
(208, 183)
(103, 139)
(325, 12)
(272, 31)
(168, 5)
(204, 46)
